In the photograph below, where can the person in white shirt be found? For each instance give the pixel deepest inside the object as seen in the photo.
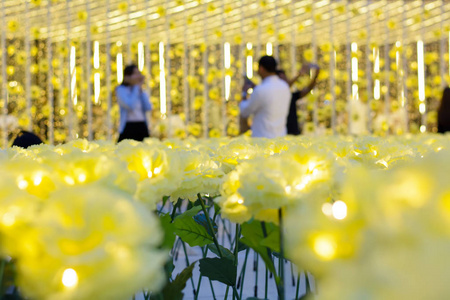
(269, 102)
(134, 104)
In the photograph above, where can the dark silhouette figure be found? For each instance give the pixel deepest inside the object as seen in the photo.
(444, 112)
(26, 139)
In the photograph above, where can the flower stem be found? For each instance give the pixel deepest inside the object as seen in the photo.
(2, 270)
(202, 203)
(243, 272)
(281, 275)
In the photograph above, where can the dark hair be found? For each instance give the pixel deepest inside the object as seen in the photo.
(280, 71)
(129, 70)
(25, 139)
(268, 63)
(444, 109)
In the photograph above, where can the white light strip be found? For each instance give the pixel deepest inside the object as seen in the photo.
(269, 49)
(73, 75)
(227, 87)
(249, 62)
(96, 87)
(376, 90)
(141, 56)
(226, 48)
(96, 55)
(162, 80)
(421, 70)
(376, 69)
(355, 94)
(119, 63)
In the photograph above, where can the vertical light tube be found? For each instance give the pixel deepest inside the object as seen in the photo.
(129, 57)
(185, 63)
(168, 70)
(249, 62)
(355, 93)
(404, 70)
(227, 64)
(119, 64)
(421, 71)
(387, 100)
(96, 74)
(205, 110)
(349, 66)
(50, 76)
(293, 49)
(376, 69)
(276, 53)
(141, 56)
(225, 90)
(269, 49)
(88, 72)
(162, 81)
(71, 80)
(108, 75)
(369, 88)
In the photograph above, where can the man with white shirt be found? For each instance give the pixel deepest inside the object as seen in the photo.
(269, 102)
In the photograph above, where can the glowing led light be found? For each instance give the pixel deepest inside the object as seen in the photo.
(157, 170)
(423, 128)
(37, 180)
(162, 80)
(119, 63)
(8, 219)
(240, 201)
(421, 70)
(69, 180)
(324, 247)
(376, 69)
(82, 177)
(339, 210)
(422, 108)
(327, 209)
(22, 184)
(288, 189)
(227, 87)
(375, 152)
(150, 174)
(70, 278)
(269, 49)
(249, 62)
(141, 56)
(439, 149)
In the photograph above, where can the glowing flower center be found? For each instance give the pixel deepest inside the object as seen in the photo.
(325, 247)
(339, 210)
(82, 177)
(70, 278)
(37, 180)
(22, 184)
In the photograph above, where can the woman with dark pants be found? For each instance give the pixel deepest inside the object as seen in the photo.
(134, 104)
(444, 112)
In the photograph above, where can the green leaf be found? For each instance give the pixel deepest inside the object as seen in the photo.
(169, 231)
(220, 269)
(252, 236)
(272, 241)
(191, 232)
(174, 290)
(254, 298)
(225, 252)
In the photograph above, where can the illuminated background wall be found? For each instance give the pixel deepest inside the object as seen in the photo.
(384, 63)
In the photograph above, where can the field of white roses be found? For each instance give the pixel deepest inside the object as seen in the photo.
(368, 216)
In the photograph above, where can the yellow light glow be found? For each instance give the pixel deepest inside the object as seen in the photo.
(269, 49)
(150, 174)
(382, 162)
(8, 219)
(355, 93)
(82, 177)
(327, 209)
(339, 210)
(37, 180)
(22, 184)
(96, 55)
(422, 108)
(141, 56)
(325, 247)
(157, 170)
(423, 128)
(288, 189)
(69, 180)
(70, 278)
(226, 57)
(119, 63)
(421, 70)
(162, 80)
